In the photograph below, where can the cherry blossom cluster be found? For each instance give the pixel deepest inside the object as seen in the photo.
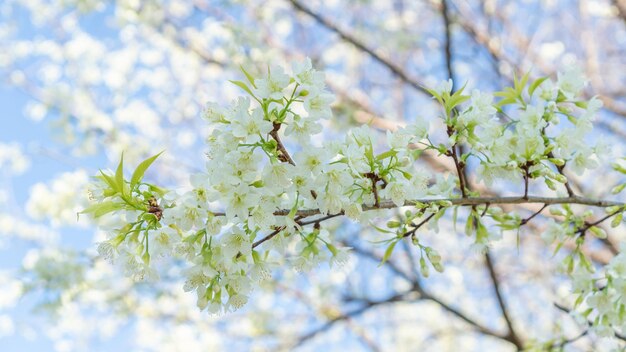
(270, 182)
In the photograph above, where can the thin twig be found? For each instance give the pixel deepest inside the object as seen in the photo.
(268, 237)
(422, 223)
(525, 221)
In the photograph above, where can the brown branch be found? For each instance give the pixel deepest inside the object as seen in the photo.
(512, 336)
(459, 170)
(589, 323)
(268, 237)
(368, 305)
(283, 154)
(423, 295)
(559, 345)
(621, 9)
(396, 70)
(526, 181)
(470, 201)
(479, 327)
(587, 226)
(525, 221)
(422, 223)
(448, 41)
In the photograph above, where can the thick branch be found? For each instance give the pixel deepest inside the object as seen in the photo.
(473, 201)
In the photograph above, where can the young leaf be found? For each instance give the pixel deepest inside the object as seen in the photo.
(109, 181)
(454, 217)
(141, 170)
(102, 208)
(248, 76)
(535, 85)
(243, 86)
(119, 175)
(388, 252)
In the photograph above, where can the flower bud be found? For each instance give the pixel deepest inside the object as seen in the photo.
(617, 189)
(557, 161)
(557, 211)
(560, 178)
(392, 224)
(433, 256)
(598, 232)
(424, 267)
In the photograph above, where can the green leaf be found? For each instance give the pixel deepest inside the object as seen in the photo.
(434, 93)
(158, 190)
(386, 154)
(619, 168)
(381, 229)
(579, 300)
(97, 210)
(522, 83)
(243, 86)
(119, 175)
(455, 214)
(535, 85)
(110, 181)
(332, 249)
(619, 188)
(558, 248)
(469, 225)
(248, 76)
(456, 100)
(581, 104)
(388, 252)
(584, 261)
(141, 170)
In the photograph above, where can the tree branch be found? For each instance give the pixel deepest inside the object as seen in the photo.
(346, 316)
(448, 41)
(283, 153)
(397, 71)
(589, 323)
(471, 201)
(512, 336)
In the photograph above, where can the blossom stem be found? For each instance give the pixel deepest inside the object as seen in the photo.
(283, 154)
